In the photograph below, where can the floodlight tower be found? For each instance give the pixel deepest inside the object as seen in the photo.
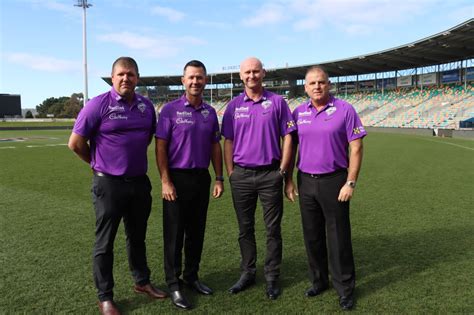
(84, 5)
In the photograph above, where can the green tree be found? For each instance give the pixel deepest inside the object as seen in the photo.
(62, 107)
(28, 114)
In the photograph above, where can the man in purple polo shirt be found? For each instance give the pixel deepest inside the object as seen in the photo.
(112, 134)
(187, 139)
(253, 125)
(328, 171)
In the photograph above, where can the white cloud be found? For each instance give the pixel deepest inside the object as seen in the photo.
(56, 5)
(157, 46)
(42, 63)
(267, 14)
(169, 13)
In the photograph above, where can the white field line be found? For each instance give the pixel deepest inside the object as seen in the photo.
(37, 146)
(454, 144)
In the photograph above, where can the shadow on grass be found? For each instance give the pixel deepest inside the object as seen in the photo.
(382, 260)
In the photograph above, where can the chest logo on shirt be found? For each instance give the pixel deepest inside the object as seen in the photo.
(266, 104)
(205, 113)
(330, 111)
(303, 114)
(303, 122)
(117, 108)
(115, 116)
(141, 107)
(184, 114)
(241, 112)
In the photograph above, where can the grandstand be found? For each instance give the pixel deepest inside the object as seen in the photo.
(424, 84)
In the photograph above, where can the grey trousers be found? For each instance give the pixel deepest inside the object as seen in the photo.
(247, 186)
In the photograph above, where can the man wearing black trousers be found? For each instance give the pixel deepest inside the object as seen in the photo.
(327, 174)
(112, 134)
(187, 139)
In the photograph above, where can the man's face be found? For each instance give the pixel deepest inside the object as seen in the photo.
(317, 86)
(124, 80)
(252, 73)
(194, 80)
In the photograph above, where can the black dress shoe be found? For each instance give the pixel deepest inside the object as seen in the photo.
(314, 291)
(346, 302)
(244, 282)
(200, 287)
(179, 300)
(273, 291)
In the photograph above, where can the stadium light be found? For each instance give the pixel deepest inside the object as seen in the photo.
(84, 5)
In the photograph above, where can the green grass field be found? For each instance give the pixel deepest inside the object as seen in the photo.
(412, 221)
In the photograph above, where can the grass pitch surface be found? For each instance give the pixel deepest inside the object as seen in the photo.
(412, 224)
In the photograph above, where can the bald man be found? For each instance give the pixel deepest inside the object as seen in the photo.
(253, 125)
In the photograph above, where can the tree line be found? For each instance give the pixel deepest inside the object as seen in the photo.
(59, 107)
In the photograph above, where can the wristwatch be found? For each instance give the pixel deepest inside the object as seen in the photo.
(220, 178)
(283, 173)
(351, 183)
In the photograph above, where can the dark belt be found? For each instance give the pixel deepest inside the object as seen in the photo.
(196, 171)
(342, 170)
(119, 177)
(270, 167)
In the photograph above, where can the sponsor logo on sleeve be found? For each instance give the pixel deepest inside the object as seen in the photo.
(358, 130)
(290, 124)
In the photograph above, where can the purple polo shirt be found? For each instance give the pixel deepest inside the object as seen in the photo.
(256, 127)
(190, 133)
(119, 134)
(324, 136)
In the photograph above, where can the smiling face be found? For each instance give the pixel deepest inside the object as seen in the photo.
(124, 80)
(252, 73)
(317, 86)
(194, 81)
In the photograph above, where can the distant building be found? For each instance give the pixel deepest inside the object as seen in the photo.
(10, 106)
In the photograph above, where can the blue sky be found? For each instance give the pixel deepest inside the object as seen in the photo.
(41, 40)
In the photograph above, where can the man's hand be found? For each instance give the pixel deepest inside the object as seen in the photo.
(218, 189)
(290, 190)
(168, 192)
(345, 194)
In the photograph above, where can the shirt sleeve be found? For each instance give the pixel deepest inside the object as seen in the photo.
(228, 122)
(216, 134)
(88, 120)
(164, 125)
(354, 127)
(295, 137)
(287, 124)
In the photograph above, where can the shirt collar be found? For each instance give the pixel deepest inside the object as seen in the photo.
(263, 98)
(187, 104)
(330, 103)
(119, 97)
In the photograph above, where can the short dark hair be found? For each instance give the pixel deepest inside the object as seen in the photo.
(126, 61)
(195, 63)
(317, 68)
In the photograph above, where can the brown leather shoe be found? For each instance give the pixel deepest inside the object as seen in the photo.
(151, 291)
(108, 308)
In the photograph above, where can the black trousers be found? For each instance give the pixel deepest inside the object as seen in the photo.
(184, 223)
(326, 224)
(116, 198)
(247, 185)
